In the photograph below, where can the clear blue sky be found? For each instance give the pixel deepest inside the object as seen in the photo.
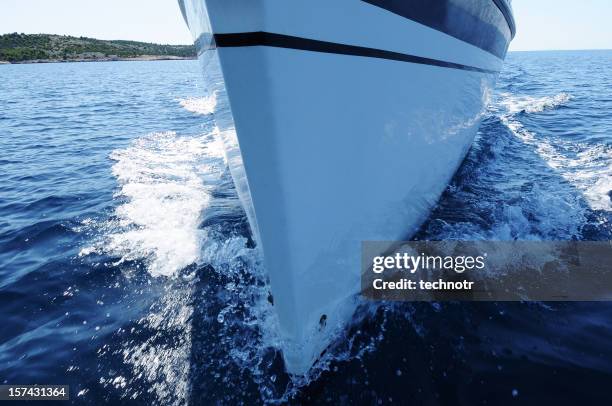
(141, 20)
(562, 24)
(542, 24)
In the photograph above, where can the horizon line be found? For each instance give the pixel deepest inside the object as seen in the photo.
(560, 50)
(190, 44)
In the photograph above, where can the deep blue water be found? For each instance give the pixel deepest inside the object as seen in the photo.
(127, 269)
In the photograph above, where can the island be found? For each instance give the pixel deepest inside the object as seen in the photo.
(41, 48)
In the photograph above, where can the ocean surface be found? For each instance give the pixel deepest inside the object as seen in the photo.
(127, 270)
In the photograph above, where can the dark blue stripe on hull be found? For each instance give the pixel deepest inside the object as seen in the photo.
(506, 10)
(259, 38)
(487, 24)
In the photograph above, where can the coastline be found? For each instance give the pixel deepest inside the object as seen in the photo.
(104, 59)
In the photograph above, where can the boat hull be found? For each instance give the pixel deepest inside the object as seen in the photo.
(339, 133)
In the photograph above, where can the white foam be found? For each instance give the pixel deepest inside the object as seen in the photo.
(589, 169)
(163, 192)
(532, 180)
(200, 105)
(529, 104)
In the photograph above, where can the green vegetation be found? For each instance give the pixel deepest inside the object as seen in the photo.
(25, 47)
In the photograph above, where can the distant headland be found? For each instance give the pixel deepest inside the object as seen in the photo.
(41, 48)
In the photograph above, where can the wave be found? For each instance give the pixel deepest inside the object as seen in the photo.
(514, 183)
(163, 193)
(216, 299)
(587, 166)
(200, 105)
(528, 104)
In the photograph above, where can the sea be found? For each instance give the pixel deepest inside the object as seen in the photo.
(127, 269)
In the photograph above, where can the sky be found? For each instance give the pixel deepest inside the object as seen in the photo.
(541, 24)
(562, 24)
(157, 21)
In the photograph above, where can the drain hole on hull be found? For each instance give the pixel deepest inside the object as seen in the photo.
(323, 321)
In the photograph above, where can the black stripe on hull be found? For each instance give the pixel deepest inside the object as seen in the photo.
(259, 38)
(486, 24)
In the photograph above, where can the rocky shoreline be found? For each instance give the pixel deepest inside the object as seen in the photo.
(104, 59)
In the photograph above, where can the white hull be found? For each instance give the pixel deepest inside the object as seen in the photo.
(336, 149)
